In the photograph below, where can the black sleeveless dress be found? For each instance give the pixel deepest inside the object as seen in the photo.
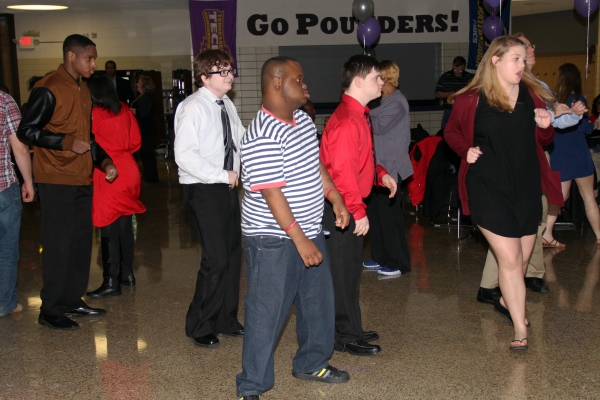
(504, 185)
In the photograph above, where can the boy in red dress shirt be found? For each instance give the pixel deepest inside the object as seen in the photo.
(347, 153)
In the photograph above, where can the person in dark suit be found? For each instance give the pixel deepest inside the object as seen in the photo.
(123, 86)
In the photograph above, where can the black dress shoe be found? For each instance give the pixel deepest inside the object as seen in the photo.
(358, 348)
(537, 285)
(504, 313)
(370, 336)
(59, 322)
(109, 287)
(251, 397)
(86, 311)
(210, 340)
(238, 333)
(488, 295)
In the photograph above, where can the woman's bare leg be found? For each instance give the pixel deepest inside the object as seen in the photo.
(553, 212)
(586, 189)
(512, 255)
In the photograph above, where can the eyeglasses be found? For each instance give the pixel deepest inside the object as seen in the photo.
(224, 72)
(531, 45)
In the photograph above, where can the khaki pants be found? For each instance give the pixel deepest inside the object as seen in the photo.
(535, 269)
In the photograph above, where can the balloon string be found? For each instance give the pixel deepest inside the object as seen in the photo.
(587, 50)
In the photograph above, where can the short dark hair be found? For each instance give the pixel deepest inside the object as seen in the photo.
(104, 93)
(4, 88)
(459, 61)
(32, 81)
(358, 65)
(73, 42)
(207, 59)
(273, 67)
(110, 62)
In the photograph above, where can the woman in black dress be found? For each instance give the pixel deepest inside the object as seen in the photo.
(143, 108)
(493, 128)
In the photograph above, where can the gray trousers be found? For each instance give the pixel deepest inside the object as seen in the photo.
(535, 269)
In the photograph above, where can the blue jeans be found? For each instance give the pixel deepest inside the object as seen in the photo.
(277, 278)
(10, 226)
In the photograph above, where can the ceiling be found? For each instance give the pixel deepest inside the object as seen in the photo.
(99, 5)
(519, 7)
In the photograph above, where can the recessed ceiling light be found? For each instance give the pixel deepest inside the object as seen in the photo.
(37, 7)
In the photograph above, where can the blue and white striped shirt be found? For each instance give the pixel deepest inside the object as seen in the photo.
(278, 154)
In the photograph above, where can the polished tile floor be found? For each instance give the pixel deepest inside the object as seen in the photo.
(438, 341)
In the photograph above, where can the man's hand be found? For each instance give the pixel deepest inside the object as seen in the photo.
(561, 109)
(342, 215)
(473, 154)
(309, 252)
(80, 146)
(542, 118)
(579, 108)
(390, 183)
(362, 227)
(597, 124)
(111, 172)
(233, 179)
(27, 192)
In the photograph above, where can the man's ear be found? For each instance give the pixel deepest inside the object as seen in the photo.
(204, 79)
(71, 56)
(358, 81)
(277, 83)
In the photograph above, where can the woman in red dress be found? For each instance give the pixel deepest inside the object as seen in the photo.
(114, 203)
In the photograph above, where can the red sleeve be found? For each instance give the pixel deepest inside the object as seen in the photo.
(454, 131)
(135, 137)
(343, 164)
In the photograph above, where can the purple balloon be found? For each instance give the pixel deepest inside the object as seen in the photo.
(581, 6)
(492, 27)
(369, 32)
(495, 3)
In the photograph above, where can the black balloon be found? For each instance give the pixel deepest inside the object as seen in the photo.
(370, 52)
(363, 9)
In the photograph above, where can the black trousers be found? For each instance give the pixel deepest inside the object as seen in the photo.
(122, 244)
(345, 256)
(389, 247)
(66, 245)
(148, 155)
(214, 212)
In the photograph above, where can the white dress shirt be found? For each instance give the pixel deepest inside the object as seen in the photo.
(199, 150)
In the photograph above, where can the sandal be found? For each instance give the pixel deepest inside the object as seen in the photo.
(517, 345)
(553, 243)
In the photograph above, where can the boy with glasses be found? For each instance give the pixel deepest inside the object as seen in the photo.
(208, 133)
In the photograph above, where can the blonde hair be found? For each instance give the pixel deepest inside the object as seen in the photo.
(486, 79)
(389, 72)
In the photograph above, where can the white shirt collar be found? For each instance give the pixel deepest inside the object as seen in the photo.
(210, 95)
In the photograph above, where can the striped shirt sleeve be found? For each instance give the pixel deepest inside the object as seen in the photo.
(263, 162)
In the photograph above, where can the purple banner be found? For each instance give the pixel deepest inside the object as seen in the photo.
(213, 26)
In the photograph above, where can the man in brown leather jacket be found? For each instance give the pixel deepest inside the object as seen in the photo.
(57, 123)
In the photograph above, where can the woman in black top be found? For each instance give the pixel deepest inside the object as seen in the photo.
(143, 108)
(493, 128)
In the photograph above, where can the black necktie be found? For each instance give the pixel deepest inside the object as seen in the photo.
(368, 118)
(227, 141)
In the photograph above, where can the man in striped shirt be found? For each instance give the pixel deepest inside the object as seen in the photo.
(451, 82)
(285, 254)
